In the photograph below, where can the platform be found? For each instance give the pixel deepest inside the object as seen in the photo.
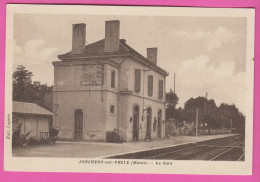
(101, 150)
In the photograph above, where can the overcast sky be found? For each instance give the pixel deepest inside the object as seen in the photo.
(207, 54)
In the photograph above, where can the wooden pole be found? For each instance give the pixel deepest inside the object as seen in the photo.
(197, 121)
(231, 126)
(222, 126)
(174, 84)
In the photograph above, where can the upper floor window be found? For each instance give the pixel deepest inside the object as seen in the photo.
(137, 80)
(160, 89)
(150, 85)
(113, 79)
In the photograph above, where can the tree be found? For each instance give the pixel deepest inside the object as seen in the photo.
(230, 114)
(171, 102)
(207, 110)
(22, 84)
(25, 90)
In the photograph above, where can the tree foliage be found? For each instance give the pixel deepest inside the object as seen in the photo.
(210, 116)
(171, 102)
(25, 90)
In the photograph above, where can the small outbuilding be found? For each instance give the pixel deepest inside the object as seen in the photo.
(33, 118)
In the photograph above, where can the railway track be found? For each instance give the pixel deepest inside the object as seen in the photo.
(223, 149)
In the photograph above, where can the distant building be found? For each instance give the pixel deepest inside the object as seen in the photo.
(107, 85)
(33, 119)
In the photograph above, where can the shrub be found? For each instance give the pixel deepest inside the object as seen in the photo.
(19, 139)
(53, 134)
(114, 137)
(35, 141)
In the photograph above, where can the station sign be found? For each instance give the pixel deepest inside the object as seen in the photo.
(92, 75)
(87, 83)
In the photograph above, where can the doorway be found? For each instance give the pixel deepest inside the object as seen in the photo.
(136, 123)
(78, 116)
(159, 131)
(149, 125)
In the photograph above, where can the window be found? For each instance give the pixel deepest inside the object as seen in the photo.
(112, 109)
(160, 89)
(137, 80)
(150, 85)
(113, 77)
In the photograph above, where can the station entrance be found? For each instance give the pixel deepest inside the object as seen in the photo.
(78, 116)
(136, 123)
(149, 123)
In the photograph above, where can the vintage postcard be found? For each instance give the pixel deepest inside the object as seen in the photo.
(129, 89)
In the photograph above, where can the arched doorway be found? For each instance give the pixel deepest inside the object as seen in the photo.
(159, 131)
(149, 123)
(136, 123)
(78, 116)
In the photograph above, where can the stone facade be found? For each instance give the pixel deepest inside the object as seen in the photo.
(105, 86)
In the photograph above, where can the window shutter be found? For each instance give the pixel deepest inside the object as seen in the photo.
(137, 80)
(150, 85)
(160, 89)
(113, 75)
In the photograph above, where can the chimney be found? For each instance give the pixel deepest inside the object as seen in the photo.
(152, 55)
(112, 31)
(78, 38)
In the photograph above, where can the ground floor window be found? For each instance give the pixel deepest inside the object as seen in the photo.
(112, 109)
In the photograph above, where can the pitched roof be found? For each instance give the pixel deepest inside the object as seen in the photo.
(97, 48)
(30, 108)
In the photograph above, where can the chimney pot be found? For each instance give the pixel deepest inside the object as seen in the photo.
(152, 55)
(112, 32)
(78, 38)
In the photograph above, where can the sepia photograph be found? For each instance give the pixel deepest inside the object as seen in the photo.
(129, 89)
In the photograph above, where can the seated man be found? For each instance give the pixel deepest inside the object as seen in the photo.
(116, 137)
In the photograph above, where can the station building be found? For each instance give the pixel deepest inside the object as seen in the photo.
(106, 85)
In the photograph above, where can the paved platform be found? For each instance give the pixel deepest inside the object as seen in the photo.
(101, 150)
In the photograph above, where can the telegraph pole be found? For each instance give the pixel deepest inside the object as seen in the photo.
(174, 84)
(222, 123)
(197, 122)
(231, 126)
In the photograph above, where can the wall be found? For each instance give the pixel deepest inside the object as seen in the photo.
(129, 98)
(127, 103)
(93, 113)
(127, 79)
(33, 124)
(94, 101)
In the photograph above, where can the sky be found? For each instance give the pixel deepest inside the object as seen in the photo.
(207, 54)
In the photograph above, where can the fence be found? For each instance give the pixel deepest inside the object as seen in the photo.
(214, 131)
